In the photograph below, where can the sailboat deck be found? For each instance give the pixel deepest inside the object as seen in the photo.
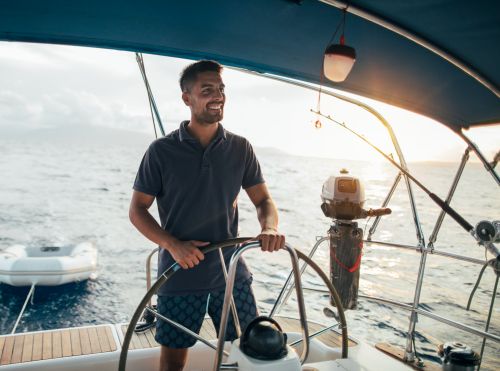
(45, 345)
(146, 339)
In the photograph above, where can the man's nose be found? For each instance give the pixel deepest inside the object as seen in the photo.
(218, 95)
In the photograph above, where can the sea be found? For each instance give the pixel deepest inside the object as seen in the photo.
(70, 190)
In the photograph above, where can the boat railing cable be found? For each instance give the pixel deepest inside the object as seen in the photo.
(415, 310)
(31, 294)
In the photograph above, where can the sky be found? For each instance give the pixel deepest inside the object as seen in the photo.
(49, 87)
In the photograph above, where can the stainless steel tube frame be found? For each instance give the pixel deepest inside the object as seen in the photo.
(229, 289)
(383, 121)
(434, 316)
(432, 252)
(480, 155)
(148, 270)
(155, 287)
(288, 289)
(451, 192)
(384, 204)
(233, 305)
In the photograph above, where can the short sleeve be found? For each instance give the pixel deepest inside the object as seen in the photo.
(253, 174)
(148, 179)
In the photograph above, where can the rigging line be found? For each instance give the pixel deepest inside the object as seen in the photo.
(443, 205)
(140, 60)
(152, 102)
(153, 119)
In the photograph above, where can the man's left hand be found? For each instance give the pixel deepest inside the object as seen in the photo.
(271, 240)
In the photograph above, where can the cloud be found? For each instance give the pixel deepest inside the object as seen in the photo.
(17, 111)
(67, 107)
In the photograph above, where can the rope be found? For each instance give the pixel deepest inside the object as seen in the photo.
(356, 264)
(30, 294)
(476, 285)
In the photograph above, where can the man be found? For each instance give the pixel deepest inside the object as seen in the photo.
(195, 174)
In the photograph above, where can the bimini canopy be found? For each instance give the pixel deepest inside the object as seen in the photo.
(287, 38)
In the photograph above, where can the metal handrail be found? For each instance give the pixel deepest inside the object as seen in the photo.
(480, 155)
(154, 288)
(148, 269)
(278, 303)
(373, 228)
(433, 252)
(434, 316)
(409, 307)
(451, 192)
(372, 111)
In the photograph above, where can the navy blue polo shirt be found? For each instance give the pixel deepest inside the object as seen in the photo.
(196, 190)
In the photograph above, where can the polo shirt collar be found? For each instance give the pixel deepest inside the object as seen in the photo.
(184, 133)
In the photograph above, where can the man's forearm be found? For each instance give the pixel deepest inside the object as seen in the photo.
(267, 215)
(142, 219)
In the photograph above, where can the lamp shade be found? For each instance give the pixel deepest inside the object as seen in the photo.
(338, 62)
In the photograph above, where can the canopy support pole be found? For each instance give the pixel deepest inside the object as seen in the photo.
(476, 150)
(30, 295)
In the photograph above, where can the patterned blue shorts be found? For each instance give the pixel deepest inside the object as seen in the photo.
(189, 310)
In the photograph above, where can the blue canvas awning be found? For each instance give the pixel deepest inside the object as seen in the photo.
(288, 38)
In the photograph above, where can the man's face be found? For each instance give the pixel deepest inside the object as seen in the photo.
(206, 98)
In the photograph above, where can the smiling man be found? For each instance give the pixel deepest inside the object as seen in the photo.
(195, 174)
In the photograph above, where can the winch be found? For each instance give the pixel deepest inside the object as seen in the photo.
(457, 356)
(343, 200)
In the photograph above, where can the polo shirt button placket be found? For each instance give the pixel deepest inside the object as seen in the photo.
(205, 164)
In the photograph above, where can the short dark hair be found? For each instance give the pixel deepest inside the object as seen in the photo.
(190, 73)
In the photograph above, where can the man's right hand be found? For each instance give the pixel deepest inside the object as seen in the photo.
(187, 253)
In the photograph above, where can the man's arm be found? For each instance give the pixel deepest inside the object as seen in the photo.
(186, 253)
(271, 239)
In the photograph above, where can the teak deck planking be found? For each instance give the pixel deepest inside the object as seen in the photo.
(146, 339)
(44, 345)
(20, 348)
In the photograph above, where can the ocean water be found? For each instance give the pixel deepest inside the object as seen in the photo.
(65, 193)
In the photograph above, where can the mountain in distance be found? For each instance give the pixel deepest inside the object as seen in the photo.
(96, 136)
(85, 135)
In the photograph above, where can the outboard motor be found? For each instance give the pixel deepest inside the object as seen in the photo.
(263, 347)
(343, 200)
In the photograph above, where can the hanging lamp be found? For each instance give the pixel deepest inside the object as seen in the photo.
(339, 58)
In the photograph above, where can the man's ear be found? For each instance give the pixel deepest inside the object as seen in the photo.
(185, 98)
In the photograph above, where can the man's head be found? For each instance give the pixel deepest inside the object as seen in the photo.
(203, 91)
